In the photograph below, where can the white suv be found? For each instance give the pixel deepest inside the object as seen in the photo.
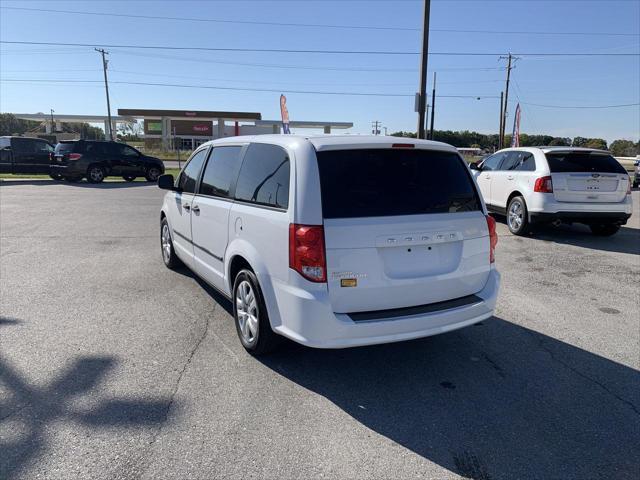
(556, 185)
(334, 241)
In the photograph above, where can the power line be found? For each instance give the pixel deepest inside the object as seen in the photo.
(315, 25)
(301, 67)
(242, 89)
(334, 52)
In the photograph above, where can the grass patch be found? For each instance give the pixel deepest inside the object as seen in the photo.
(28, 176)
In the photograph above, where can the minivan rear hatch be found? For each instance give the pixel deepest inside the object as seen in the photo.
(587, 177)
(403, 227)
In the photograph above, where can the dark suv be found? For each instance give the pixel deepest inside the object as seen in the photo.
(96, 160)
(24, 155)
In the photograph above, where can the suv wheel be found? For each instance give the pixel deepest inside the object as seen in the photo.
(251, 317)
(95, 174)
(129, 178)
(152, 174)
(605, 230)
(169, 256)
(517, 216)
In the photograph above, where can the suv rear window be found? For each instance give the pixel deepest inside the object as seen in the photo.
(385, 182)
(583, 162)
(65, 147)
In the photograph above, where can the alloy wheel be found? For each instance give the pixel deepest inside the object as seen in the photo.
(515, 215)
(166, 243)
(247, 311)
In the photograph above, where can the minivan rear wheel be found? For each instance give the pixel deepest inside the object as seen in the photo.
(517, 216)
(250, 315)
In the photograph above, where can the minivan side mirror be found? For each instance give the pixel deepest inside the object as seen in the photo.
(166, 182)
(474, 166)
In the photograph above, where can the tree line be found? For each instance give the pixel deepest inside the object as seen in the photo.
(10, 125)
(489, 142)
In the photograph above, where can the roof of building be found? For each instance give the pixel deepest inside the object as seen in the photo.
(141, 112)
(59, 117)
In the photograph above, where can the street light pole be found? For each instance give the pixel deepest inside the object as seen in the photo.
(422, 98)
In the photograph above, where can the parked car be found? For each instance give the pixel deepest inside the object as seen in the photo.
(636, 173)
(334, 241)
(95, 160)
(25, 155)
(556, 185)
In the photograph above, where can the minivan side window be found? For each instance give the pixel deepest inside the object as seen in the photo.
(492, 162)
(221, 170)
(189, 176)
(264, 176)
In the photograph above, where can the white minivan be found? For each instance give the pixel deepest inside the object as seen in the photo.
(334, 241)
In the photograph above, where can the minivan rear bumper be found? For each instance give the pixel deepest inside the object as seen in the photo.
(307, 318)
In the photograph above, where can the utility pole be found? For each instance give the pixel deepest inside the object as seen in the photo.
(375, 127)
(422, 99)
(106, 87)
(433, 106)
(53, 125)
(509, 58)
(500, 127)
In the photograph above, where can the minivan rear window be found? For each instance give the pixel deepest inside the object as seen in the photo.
(386, 182)
(583, 162)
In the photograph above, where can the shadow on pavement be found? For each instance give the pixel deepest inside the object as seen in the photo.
(627, 240)
(82, 184)
(28, 412)
(493, 401)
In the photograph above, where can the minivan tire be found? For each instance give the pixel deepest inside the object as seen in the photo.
(604, 230)
(517, 216)
(152, 174)
(250, 315)
(169, 256)
(95, 174)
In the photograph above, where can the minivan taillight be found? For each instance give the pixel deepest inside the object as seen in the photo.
(75, 156)
(543, 185)
(306, 251)
(493, 238)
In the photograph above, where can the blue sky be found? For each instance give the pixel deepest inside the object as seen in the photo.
(559, 81)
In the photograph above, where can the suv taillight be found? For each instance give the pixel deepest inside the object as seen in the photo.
(543, 185)
(493, 238)
(306, 251)
(75, 156)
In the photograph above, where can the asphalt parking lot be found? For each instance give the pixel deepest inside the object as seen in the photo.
(112, 366)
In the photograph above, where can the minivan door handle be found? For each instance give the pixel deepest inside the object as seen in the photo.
(195, 209)
(186, 206)
(510, 177)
